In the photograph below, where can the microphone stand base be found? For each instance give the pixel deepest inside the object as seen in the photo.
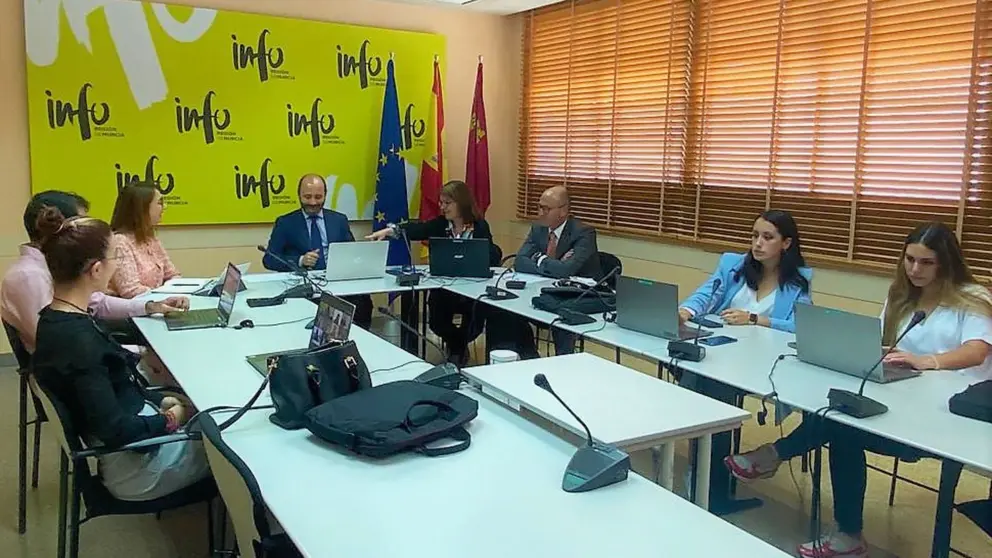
(573, 318)
(594, 467)
(496, 293)
(855, 405)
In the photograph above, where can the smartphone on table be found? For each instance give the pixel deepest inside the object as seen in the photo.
(717, 340)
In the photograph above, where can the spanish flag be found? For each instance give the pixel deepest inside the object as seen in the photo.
(432, 170)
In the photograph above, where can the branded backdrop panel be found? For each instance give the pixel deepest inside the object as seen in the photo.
(223, 111)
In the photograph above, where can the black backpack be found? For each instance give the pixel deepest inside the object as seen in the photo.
(395, 417)
(974, 402)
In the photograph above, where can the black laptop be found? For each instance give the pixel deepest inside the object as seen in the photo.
(460, 257)
(210, 317)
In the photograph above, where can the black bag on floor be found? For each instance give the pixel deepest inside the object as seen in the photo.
(395, 417)
(974, 402)
(298, 382)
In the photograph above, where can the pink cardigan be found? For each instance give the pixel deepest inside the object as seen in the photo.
(140, 267)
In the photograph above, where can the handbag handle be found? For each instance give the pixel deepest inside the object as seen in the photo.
(458, 433)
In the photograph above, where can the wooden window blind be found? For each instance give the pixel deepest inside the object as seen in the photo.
(684, 119)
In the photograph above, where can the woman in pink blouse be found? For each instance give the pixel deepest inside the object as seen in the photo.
(142, 263)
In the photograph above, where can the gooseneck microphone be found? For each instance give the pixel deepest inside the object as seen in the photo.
(541, 381)
(700, 319)
(493, 292)
(571, 316)
(308, 289)
(593, 465)
(446, 375)
(856, 404)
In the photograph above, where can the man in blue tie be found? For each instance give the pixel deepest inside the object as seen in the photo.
(302, 236)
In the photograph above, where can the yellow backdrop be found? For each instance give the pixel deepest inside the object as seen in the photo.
(223, 111)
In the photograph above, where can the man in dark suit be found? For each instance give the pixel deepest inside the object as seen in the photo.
(302, 236)
(558, 246)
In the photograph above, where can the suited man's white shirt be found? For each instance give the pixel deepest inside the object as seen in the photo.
(557, 232)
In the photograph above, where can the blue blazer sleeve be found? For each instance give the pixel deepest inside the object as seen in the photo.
(701, 301)
(278, 244)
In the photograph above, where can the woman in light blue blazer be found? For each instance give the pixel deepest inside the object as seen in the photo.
(762, 286)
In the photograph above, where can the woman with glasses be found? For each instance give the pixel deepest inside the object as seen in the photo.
(459, 219)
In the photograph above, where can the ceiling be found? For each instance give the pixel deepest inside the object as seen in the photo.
(490, 6)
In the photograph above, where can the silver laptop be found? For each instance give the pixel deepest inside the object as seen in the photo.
(652, 308)
(211, 317)
(356, 260)
(332, 322)
(844, 342)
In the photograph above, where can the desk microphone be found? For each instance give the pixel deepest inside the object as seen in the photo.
(446, 375)
(573, 317)
(692, 352)
(308, 289)
(856, 404)
(407, 275)
(594, 465)
(493, 292)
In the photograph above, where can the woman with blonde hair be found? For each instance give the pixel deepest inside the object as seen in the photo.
(142, 262)
(956, 334)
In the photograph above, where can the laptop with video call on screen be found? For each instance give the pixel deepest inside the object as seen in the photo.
(652, 308)
(211, 317)
(332, 322)
(347, 261)
(844, 342)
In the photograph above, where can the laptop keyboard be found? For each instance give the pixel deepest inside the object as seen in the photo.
(199, 318)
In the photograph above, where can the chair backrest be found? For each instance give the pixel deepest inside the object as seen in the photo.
(238, 488)
(607, 263)
(58, 414)
(20, 351)
(495, 254)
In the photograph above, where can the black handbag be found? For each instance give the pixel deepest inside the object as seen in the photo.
(395, 417)
(300, 381)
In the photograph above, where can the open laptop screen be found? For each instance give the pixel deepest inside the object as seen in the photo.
(333, 320)
(232, 279)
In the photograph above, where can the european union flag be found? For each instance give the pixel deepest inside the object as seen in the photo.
(390, 205)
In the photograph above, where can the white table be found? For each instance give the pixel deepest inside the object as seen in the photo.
(621, 406)
(502, 497)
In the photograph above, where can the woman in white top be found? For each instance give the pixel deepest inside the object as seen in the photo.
(956, 335)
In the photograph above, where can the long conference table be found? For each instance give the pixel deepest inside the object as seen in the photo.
(501, 497)
(918, 415)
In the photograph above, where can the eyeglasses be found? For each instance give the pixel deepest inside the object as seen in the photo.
(545, 208)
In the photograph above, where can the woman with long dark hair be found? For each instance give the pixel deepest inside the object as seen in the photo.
(143, 263)
(95, 377)
(932, 277)
(762, 286)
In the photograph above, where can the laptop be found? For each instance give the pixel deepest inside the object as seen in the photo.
(653, 308)
(332, 321)
(212, 317)
(356, 260)
(213, 286)
(844, 342)
(459, 257)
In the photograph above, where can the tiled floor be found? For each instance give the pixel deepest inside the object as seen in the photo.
(903, 530)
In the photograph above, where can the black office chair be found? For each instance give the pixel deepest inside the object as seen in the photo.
(243, 499)
(607, 263)
(979, 511)
(78, 480)
(23, 367)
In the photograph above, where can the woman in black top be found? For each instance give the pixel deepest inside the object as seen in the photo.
(95, 377)
(459, 219)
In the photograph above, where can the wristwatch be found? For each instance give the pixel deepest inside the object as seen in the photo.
(752, 318)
